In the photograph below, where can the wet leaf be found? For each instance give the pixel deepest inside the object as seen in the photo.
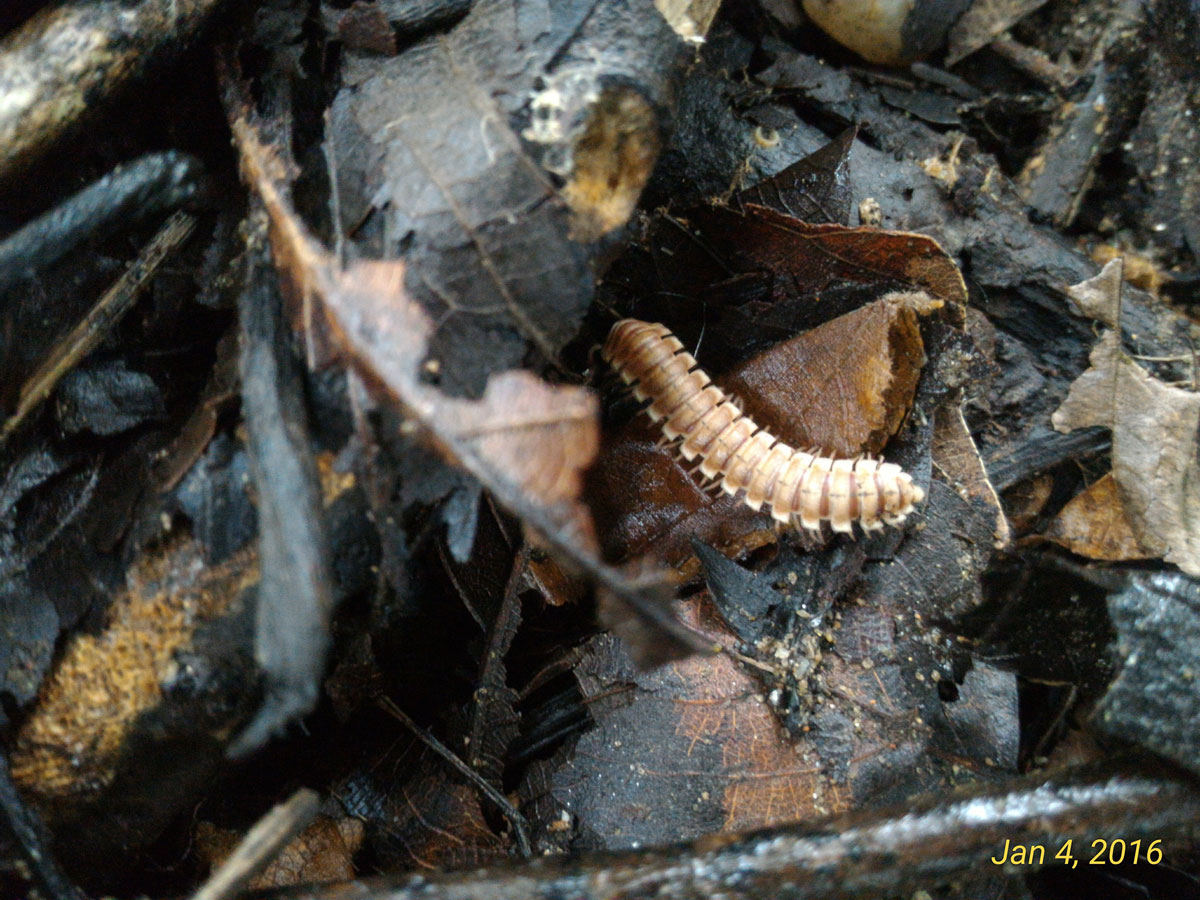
(700, 746)
(815, 190)
(422, 819)
(525, 440)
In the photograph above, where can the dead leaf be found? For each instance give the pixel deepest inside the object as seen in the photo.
(420, 819)
(322, 853)
(1099, 297)
(527, 441)
(844, 387)
(1154, 428)
(698, 746)
(1095, 524)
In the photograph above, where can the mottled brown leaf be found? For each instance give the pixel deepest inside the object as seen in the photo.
(1094, 524)
(323, 852)
(697, 747)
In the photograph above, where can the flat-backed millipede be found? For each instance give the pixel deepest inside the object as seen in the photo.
(799, 486)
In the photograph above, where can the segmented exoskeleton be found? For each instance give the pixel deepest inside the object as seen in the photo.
(799, 486)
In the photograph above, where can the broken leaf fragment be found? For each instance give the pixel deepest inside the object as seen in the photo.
(1155, 429)
(845, 386)
(1095, 524)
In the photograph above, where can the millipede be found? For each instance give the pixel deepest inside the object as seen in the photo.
(707, 423)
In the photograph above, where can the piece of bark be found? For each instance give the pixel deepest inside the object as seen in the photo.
(57, 66)
(21, 826)
(1153, 699)
(295, 594)
(131, 722)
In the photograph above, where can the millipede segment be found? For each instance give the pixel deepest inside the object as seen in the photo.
(800, 487)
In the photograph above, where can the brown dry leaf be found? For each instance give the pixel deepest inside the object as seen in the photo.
(528, 442)
(1094, 524)
(845, 386)
(322, 853)
(1154, 428)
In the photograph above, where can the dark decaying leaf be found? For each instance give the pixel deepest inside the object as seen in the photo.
(704, 739)
(815, 190)
(525, 440)
(323, 852)
(449, 154)
(422, 820)
(107, 399)
(847, 385)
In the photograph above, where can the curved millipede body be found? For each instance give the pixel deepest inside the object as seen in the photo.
(799, 486)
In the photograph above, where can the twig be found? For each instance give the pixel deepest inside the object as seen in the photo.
(520, 826)
(58, 67)
(269, 835)
(920, 845)
(136, 192)
(100, 320)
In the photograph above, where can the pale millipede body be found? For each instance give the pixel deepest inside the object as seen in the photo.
(799, 486)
